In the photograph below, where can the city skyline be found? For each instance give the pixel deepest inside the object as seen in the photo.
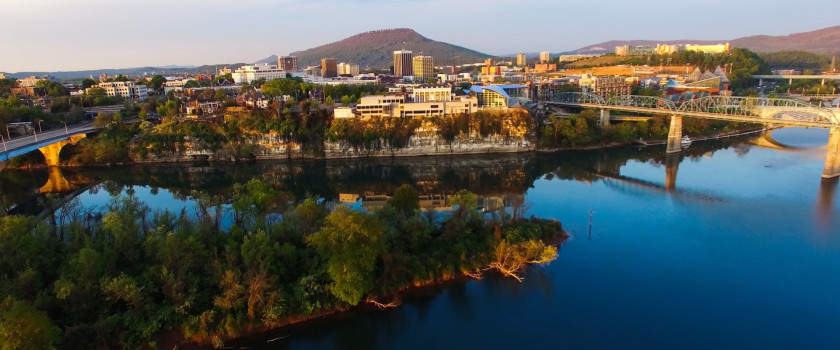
(190, 33)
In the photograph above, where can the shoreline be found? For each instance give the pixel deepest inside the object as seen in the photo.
(407, 293)
(313, 156)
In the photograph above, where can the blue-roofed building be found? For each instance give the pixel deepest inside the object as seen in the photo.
(499, 96)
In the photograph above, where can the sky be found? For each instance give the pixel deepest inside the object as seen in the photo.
(65, 35)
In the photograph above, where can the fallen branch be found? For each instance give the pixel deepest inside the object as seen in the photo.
(394, 303)
(476, 275)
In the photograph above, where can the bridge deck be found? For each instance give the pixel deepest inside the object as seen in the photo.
(709, 115)
(23, 145)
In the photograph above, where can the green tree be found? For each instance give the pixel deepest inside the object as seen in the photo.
(96, 92)
(88, 82)
(350, 241)
(103, 119)
(405, 199)
(220, 95)
(157, 82)
(23, 327)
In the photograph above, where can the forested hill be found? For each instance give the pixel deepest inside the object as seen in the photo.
(822, 41)
(375, 50)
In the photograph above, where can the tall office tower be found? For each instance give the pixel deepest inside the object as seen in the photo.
(424, 67)
(521, 60)
(545, 57)
(287, 63)
(329, 67)
(402, 63)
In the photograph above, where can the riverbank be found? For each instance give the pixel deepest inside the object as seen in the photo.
(429, 150)
(408, 293)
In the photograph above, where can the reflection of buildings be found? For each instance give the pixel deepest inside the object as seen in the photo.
(372, 201)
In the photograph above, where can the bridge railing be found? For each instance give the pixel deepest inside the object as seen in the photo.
(756, 106)
(725, 105)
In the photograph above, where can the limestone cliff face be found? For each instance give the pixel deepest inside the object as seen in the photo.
(510, 137)
(271, 146)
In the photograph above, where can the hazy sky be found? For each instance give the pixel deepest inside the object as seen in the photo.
(54, 35)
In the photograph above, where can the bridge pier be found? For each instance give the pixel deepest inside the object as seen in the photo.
(605, 118)
(832, 154)
(675, 135)
(672, 165)
(52, 151)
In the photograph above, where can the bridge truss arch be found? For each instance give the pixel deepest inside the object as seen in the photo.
(766, 109)
(641, 102)
(578, 98)
(615, 101)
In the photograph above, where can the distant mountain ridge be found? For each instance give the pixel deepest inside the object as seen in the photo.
(822, 41)
(609, 46)
(375, 49)
(134, 71)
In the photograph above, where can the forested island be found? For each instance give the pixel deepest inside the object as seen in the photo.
(133, 278)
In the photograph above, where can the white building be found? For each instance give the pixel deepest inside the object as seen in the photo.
(396, 106)
(247, 74)
(125, 89)
(431, 93)
(33, 80)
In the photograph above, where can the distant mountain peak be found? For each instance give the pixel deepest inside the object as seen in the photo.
(375, 49)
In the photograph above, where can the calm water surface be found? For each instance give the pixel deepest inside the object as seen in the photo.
(742, 252)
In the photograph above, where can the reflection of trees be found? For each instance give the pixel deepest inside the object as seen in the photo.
(493, 175)
(742, 149)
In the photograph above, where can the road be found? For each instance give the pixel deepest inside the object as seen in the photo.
(24, 141)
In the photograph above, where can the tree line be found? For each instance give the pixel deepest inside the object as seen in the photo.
(123, 277)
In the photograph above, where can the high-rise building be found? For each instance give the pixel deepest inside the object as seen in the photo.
(348, 69)
(521, 59)
(424, 67)
(329, 68)
(545, 57)
(287, 63)
(403, 65)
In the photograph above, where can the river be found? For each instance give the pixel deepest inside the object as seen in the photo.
(730, 245)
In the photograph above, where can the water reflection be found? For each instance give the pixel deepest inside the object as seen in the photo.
(825, 202)
(732, 242)
(500, 181)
